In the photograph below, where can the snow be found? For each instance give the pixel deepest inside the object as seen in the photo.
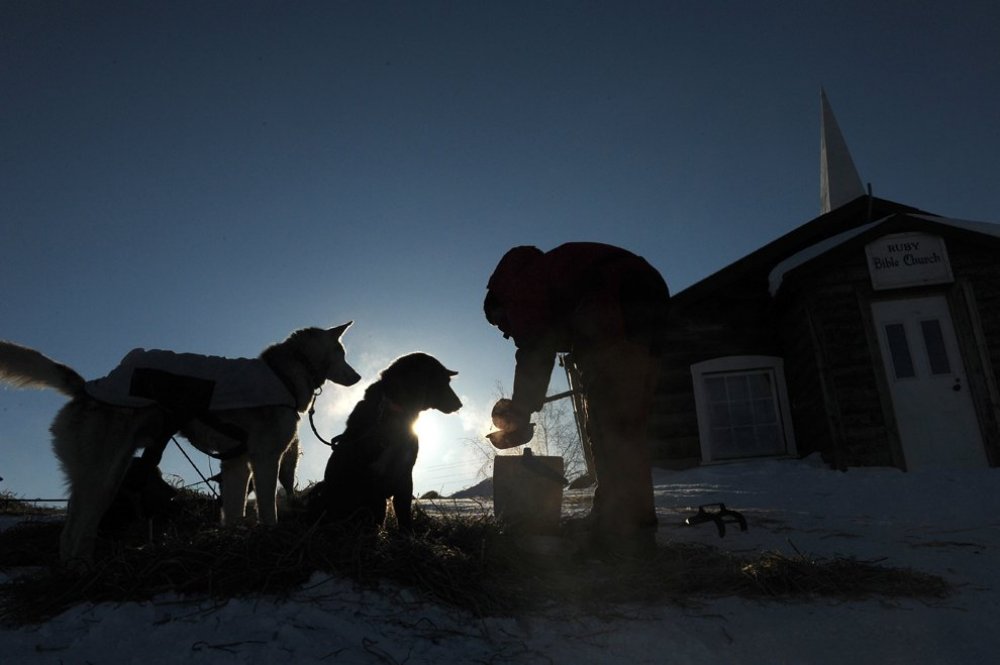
(944, 522)
(777, 274)
(986, 228)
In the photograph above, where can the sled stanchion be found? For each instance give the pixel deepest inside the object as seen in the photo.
(720, 517)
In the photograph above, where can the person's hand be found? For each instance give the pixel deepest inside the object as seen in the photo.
(508, 416)
(513, 438)
(513, 424)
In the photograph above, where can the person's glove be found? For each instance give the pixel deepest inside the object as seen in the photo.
(514, 426)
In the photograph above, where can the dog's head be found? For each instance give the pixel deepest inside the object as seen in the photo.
(338, 370)
(319, 351)
(418, 381)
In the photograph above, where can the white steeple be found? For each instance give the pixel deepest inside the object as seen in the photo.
(839, 180)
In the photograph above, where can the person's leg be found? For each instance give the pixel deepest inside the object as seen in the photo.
(619, 381)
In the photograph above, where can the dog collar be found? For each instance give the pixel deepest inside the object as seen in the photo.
(388, 404)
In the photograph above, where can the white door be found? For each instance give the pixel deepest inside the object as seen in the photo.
(934, 411)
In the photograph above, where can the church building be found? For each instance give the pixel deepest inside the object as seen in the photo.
(870, 334)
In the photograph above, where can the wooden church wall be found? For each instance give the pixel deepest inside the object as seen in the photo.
(975, 304)
(831, 366)
(736, 321)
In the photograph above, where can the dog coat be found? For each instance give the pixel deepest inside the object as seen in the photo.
(191, 382)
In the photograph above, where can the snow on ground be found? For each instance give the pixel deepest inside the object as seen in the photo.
(945, 522)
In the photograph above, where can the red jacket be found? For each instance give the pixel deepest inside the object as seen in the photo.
(572, 298)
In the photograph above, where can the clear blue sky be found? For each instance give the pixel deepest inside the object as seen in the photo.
(207, 177)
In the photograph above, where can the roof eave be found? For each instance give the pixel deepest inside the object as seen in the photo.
(858, 212)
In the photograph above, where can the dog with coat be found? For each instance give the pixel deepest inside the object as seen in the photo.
(246, 411)
(372, 461)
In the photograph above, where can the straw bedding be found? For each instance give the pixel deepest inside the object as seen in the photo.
(466, 561)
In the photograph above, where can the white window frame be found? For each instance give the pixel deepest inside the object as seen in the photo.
(728, 365)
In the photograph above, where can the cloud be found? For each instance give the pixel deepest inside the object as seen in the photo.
(475, 417)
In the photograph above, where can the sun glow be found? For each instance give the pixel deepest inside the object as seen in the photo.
(426, 427)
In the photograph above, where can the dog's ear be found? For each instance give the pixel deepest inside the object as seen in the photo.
(340, 330)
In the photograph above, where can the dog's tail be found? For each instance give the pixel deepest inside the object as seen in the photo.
(26, 368)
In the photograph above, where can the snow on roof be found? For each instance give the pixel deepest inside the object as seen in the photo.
(777, 274)
(986, 228)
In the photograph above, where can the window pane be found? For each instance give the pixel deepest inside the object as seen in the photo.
(760, 385)
(744, 440)
(738, 387)
(743, 414)
(899, 349)
(716, 388)
(934, 341)
(722, 444)
(718, 414)
(764, 411)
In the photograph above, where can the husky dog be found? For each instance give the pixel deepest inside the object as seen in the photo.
(96, 434)
(372, 461)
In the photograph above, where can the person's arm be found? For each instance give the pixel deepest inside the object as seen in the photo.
(531, 377)
(531, 380)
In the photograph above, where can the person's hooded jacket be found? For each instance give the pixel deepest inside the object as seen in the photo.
(573, 299)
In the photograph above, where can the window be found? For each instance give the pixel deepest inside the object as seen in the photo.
(937, 354)
(742, 407)
(901, 353)
(899, 349)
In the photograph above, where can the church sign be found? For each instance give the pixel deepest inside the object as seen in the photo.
(908, 259)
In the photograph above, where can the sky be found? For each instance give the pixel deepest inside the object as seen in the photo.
(208, 177)
(940, 522)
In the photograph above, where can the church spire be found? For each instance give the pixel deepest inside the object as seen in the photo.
(839, 180)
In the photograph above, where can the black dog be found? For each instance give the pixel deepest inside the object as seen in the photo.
(372, 461)
(143, 495)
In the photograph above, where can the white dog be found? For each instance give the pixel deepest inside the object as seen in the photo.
(246, 409)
